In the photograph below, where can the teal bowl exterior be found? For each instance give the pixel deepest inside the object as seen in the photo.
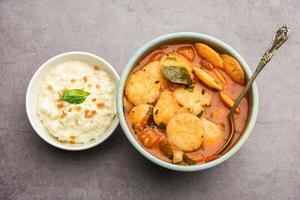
(178, 38)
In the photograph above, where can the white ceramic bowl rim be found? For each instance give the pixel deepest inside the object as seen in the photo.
(57, 144)
(157, 42)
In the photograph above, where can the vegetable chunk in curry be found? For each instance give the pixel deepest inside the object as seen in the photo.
(177, 99)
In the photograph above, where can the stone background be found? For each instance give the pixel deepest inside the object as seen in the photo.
(268, 165)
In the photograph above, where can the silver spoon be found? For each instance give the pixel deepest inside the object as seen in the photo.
(281, 36)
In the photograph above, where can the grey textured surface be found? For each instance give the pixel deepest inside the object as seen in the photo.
(268, 165)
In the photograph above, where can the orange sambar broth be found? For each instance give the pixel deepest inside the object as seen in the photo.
(232, 89)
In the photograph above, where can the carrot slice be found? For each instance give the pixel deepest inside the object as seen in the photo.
(228, 101)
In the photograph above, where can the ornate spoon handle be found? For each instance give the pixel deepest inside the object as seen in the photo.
(281, 36)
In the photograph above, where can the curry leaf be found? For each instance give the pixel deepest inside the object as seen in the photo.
(151, 122)
(200, 113)
(74, 96)
(162, 125)
(166, 149)
(177, 74)
(188, 160)
(189, 88)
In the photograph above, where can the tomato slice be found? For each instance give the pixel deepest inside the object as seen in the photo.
(156, 56)
(187, 52)
(149, 137)
(140, 126)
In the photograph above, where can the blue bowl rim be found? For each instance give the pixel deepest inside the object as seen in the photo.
(159, 41)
